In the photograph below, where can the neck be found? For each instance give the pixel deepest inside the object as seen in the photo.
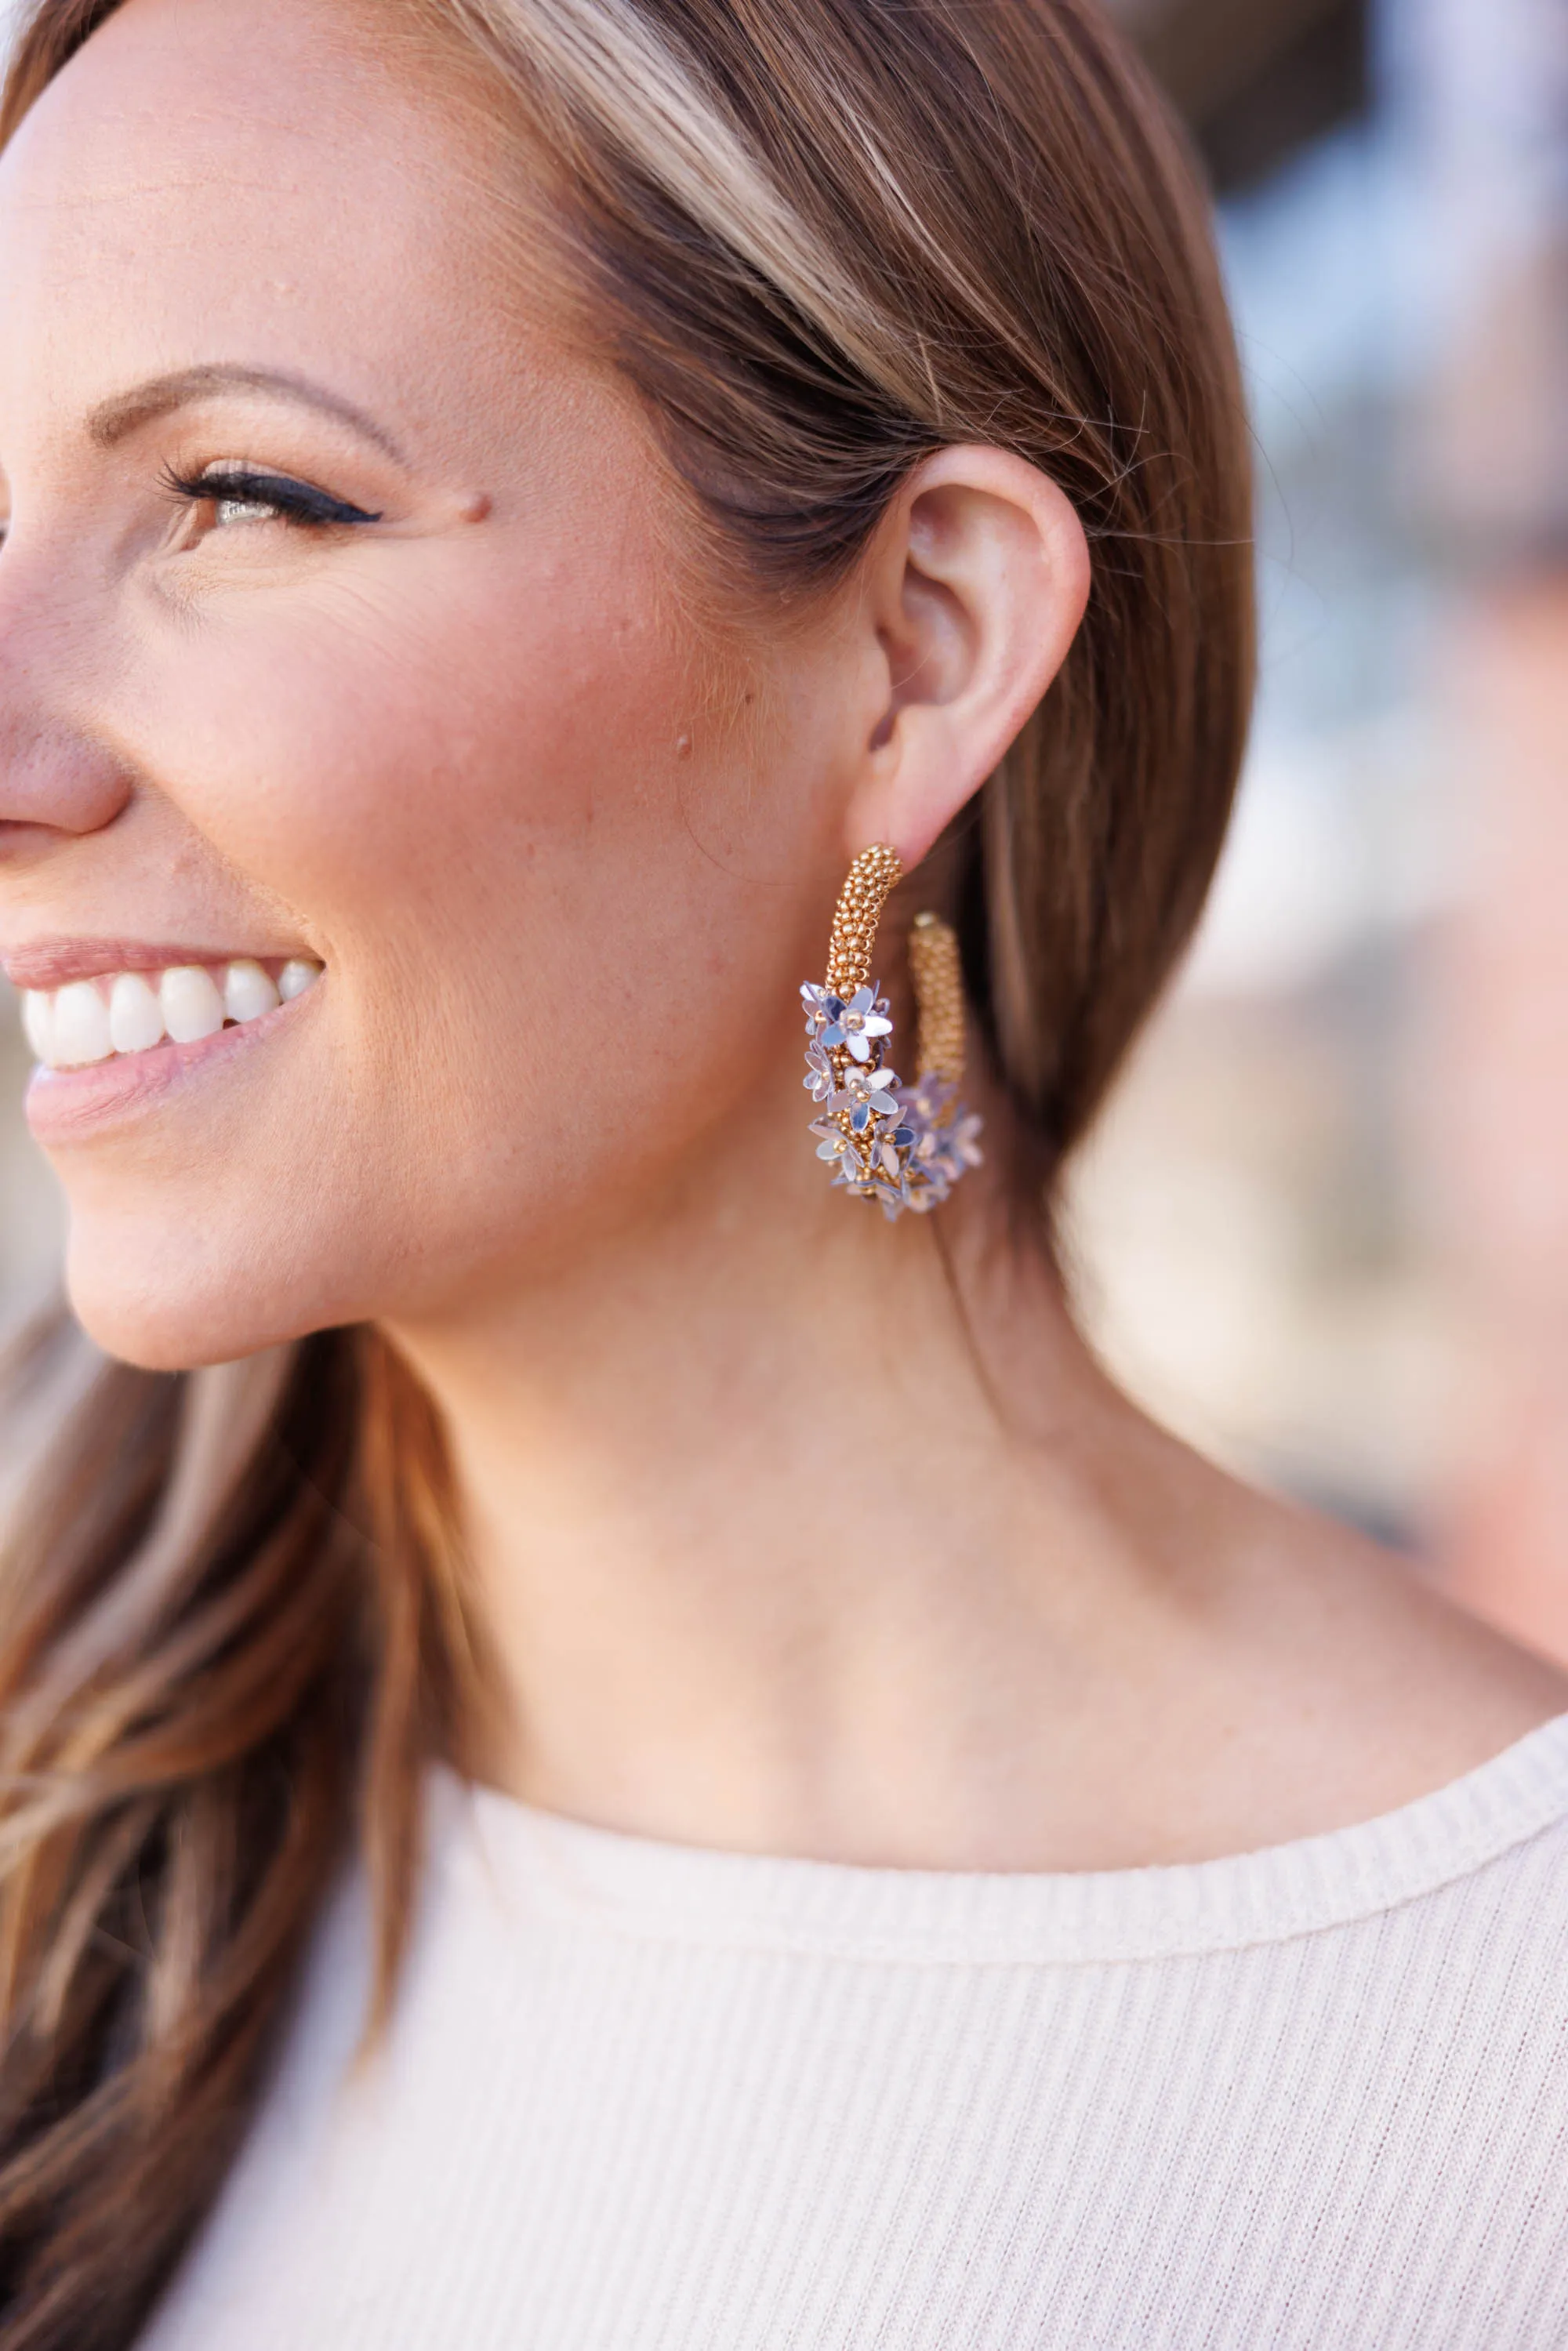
(765, 1559)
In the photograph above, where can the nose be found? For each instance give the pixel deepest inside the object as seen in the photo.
(57, 775)
(56, 779)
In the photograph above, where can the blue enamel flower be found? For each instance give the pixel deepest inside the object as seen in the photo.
(964, 1145)
(835, 1144)
(868, 1094)
(818, 1079)
(816, 1001)
(855, 1025)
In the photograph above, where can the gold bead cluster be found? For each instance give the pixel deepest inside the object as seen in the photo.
(937, 975)
(872, 879)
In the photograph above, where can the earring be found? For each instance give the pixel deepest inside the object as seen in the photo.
(906, 1146)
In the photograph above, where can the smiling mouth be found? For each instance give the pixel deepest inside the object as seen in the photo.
(116, 1016)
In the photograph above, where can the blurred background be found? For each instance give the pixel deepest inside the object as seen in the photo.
(1325, 1229)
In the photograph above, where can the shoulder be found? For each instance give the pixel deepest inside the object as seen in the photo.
(1308, 1677)
(1369, 1684)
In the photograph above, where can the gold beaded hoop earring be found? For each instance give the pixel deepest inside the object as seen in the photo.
(906, 1146)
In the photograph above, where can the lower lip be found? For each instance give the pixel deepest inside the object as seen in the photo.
(70, 1106)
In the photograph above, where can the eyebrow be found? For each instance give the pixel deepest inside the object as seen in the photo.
(112, 420)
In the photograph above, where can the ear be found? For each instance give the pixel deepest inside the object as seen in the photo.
(972, 588)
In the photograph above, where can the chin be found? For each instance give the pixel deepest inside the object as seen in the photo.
(164, 1310)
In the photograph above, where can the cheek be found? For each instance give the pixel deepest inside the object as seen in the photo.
(555, 905)
(458, 778)
(414, 730)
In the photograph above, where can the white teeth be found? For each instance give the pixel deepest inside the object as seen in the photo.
(193, 1008)
(248, 991)
(88, 1020)
(135, 1015)
(296, 978)
(81, 1027)
(38, 1021)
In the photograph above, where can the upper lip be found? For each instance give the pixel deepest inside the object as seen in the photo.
(51, 963)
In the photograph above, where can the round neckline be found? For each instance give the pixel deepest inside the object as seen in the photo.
(652, 1890)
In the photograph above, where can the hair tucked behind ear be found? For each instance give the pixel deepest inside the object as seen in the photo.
(825, 237)
(822, 237)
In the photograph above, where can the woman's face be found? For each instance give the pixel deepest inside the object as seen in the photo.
(418, 700)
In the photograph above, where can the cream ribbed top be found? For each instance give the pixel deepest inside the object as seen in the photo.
(645, 2097)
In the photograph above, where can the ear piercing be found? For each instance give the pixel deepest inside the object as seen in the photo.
(906, 1146)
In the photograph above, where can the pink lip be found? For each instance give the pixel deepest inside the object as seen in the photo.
(66, 1106)
(51, 963)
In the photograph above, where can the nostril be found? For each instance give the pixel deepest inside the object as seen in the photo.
(60, 783)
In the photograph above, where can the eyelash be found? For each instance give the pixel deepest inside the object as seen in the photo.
(292, 502)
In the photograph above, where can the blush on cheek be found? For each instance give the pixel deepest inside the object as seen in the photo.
(415, 747)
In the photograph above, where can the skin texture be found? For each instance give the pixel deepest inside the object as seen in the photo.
(764, 1564)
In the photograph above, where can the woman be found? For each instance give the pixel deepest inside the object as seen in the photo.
(651, 1755)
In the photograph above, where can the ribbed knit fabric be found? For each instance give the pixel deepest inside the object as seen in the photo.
(642, 2097)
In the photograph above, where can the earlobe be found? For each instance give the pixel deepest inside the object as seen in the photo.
(976, 585)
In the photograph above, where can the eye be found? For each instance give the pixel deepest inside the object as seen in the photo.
(250, 494)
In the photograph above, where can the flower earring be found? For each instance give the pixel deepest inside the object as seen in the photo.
(904, 1146)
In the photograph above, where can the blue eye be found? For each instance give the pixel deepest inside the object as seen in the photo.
(247, 493)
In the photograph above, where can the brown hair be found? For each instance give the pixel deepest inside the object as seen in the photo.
(822, 238)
